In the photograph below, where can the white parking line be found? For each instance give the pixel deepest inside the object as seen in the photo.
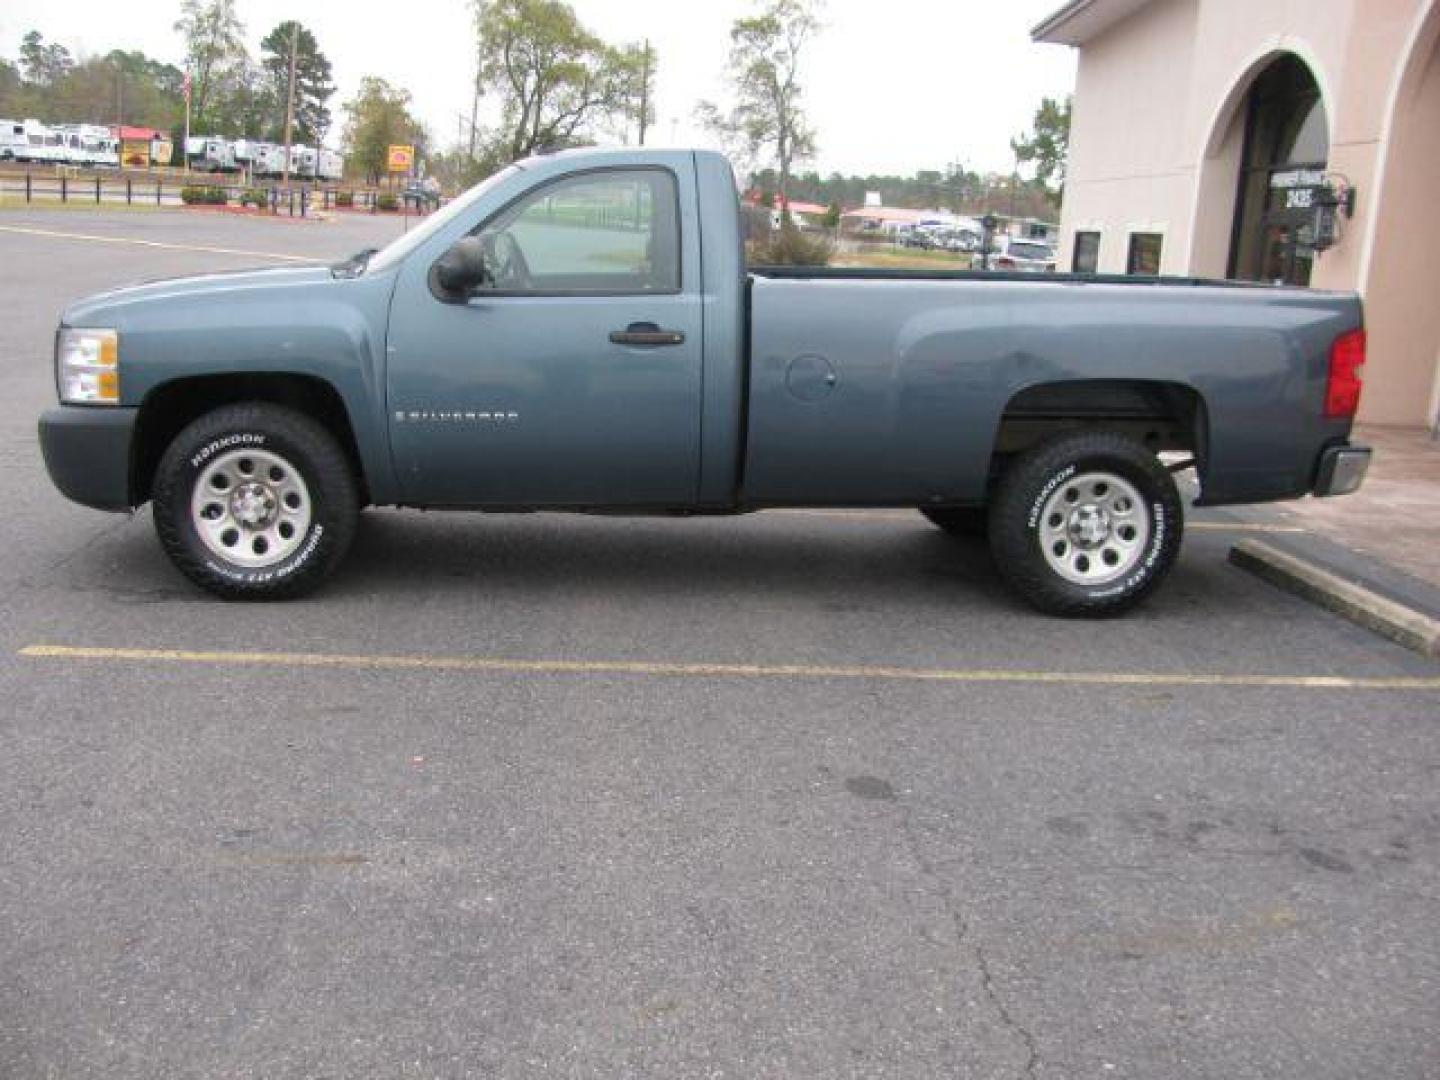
(136, 241)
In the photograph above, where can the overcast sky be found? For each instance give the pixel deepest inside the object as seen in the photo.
(890, 87)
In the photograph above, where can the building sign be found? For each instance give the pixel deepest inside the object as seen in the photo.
(135, 153)
(400, 159)
(1297, 189)
(1294, 178)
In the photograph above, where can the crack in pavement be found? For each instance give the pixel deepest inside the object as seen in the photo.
(963, 941)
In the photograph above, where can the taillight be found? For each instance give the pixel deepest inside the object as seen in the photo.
(1347, 362)
(1005, 264)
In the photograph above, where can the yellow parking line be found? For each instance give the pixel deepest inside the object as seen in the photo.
(712, 671)
(30, 231)
(905, 515)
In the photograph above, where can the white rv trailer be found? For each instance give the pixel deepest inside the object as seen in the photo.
(88, 144)
(245, 150)
(12, 136)
(331, 165)
(40, 145)
(204, 153)
(303, 161)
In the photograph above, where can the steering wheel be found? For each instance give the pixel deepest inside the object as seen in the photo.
(505, 260)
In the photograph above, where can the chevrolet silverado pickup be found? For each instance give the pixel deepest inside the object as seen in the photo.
(580, 332)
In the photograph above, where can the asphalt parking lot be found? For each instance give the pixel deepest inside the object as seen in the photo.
(789, 795)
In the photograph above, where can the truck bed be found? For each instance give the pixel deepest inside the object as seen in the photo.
(878, 386)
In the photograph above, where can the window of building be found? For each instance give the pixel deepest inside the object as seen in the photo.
(1086, 257)
(1144, 257)
(603, 232)
(1287, 144)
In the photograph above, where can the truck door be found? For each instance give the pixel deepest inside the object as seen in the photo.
(572, 377)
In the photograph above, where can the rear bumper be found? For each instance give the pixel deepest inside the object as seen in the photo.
(87, 453)
(1342, 470)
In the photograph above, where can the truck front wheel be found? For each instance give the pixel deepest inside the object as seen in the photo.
(1085, 524)
(255, 502)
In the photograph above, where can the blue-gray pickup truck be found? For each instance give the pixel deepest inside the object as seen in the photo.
(580, 332)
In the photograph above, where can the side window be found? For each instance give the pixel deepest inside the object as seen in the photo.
(1144, 257)
(1087, 253)
(615, 231)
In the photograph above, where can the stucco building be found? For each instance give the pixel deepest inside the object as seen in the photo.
(1204, 132)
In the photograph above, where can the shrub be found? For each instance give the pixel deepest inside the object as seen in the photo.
(344, 198)
(788, 246)
(203, 195)
(386, 201)
(256, 197)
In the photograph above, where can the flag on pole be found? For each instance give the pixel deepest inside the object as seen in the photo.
(186, 86)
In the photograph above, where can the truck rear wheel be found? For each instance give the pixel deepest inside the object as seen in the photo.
(255, 502)
(1085, 524)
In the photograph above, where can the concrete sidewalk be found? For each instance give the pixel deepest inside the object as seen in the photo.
(1373, 556)
(1395, 516)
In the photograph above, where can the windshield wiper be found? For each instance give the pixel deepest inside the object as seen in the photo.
(355, 265)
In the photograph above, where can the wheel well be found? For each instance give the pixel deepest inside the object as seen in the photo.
(1167, 417)
(169, 407)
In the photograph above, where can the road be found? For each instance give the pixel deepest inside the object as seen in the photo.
(788, 795)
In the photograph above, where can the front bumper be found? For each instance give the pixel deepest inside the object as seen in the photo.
(87, 453)
(1342, 470)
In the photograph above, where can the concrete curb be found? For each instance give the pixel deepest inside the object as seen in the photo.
(1360, 605)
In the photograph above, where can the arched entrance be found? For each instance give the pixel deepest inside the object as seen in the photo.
(1401, 274)
(1286, 147)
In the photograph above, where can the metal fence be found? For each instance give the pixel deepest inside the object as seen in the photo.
(296, 200)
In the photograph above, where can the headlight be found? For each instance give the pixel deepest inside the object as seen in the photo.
(87, 366)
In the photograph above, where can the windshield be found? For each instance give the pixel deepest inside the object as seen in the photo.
(393, 254)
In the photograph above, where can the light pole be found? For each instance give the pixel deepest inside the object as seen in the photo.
(290, 99)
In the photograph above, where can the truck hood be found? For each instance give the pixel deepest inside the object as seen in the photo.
(113, 306)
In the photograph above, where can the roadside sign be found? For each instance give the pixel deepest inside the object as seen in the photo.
(400, 159)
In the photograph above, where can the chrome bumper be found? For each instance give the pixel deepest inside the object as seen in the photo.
(1342, 470)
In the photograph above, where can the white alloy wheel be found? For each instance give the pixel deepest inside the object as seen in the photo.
(1094, 528)
(251, 507)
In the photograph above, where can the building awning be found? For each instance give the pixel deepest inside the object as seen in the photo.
(124, 132)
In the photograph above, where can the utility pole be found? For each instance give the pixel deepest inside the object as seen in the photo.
(475, 105)
(185, 150)
(290, 98)
(645, 92)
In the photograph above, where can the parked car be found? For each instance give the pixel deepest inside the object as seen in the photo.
(1007, 253)
(555, 340)
(917, 238)
(958, 240)
(422, 194)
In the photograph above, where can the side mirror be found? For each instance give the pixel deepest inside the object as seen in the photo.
(462, 268)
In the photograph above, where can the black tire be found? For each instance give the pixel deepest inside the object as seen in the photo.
(315, 543)
(1043, 476)
(958, 520)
